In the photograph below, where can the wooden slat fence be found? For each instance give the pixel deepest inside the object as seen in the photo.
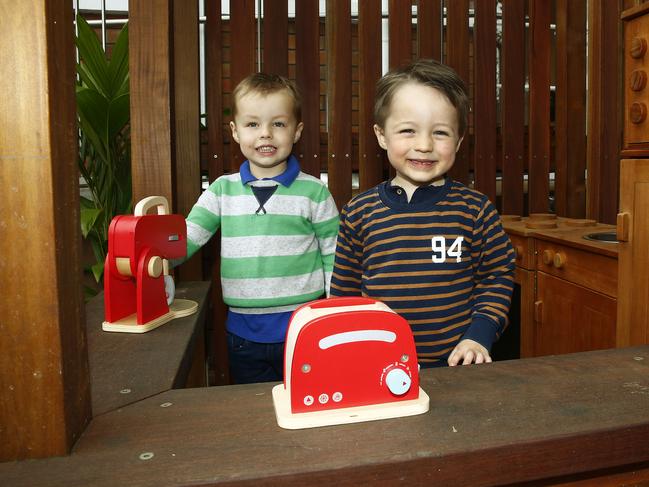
(524, 61)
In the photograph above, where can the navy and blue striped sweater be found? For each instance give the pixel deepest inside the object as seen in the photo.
(442, 261)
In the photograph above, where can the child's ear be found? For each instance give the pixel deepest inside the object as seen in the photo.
(298, 132)
(380, 137)
(235, 135)
(459, 142)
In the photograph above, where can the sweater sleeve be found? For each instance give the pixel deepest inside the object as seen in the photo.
(493, 278)
(325, 225)
(204, 219)
(348, 266)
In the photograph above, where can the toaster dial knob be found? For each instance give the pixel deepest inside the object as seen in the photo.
(398, 381)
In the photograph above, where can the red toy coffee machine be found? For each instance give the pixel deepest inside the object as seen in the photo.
(139, 247)
(347, 360)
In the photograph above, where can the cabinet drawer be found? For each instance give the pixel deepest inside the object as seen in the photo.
(593, 271)
(524, 249)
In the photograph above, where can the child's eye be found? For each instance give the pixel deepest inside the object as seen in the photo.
(251, 124)
(441, 133)
(279, 124)
(406, 131)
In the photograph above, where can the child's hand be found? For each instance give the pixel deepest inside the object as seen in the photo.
(467, 352)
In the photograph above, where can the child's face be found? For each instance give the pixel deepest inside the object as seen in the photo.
(266, 129)
(420, 134)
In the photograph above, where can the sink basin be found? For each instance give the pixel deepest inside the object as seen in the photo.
(607, 237)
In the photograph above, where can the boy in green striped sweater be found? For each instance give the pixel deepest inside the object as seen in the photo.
(278, 228)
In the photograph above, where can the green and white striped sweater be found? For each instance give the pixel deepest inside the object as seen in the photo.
(273, 261)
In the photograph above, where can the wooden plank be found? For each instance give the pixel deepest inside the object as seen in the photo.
(275, 37)
(513, 106)
(186, 121)
(429, 29)
(539, 106)
(126, 368)
(150, 73)
(307, 75)
(44, 377)
(484, 94)
(243, 35)
(542, 418)
(217, 345)
(570, 109)
(604, 124)
(370, 158)
(399, 32)
(339, 100)
(457, 54)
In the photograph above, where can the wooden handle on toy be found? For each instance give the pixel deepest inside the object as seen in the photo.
(145, 204)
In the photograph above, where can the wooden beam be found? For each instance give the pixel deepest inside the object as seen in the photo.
(400, 32)
(44, 377)
(339, 100)
(150, 55)
(429, 29)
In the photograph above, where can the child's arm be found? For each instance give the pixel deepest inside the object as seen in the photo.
(325, 226)
(493, 269)
(348, 269)
(204, 219)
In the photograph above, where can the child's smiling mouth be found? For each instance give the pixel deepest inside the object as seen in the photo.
(423, 163)
(266, 149)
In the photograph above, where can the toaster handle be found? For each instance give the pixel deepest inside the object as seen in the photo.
(336, 302)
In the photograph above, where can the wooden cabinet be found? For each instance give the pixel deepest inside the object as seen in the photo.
(633, 230)
(568, 286)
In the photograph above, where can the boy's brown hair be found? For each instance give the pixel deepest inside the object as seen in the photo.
(266, 84)
(429, 73)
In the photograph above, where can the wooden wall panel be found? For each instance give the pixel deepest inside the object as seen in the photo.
(217, 344)
(429, 29)
(242, 57)
(150, 74)
(513, 106)
(339, 78)
(44, 376)
(370, 157)
(539, 106)
(186, 120)
(275, 37)
(457, 56)
(604, 108)
(570, 109)
(307, 74)
(484, 94)
(400, 32)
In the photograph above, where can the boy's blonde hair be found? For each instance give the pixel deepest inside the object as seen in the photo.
(266, 84)
(429, 73)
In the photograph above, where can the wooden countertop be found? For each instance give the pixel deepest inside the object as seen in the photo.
(127, 367)
(501, 423)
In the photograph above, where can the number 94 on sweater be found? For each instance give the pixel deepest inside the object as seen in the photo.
(441, 251)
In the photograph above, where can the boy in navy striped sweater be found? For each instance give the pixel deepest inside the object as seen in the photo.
(278, 228)
(429, 247)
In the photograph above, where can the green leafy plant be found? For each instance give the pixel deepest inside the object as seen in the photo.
(104, 137)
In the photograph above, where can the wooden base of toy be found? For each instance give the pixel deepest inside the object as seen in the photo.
(178, 309)
(286, 419)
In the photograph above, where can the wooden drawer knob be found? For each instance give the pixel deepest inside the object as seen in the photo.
(637, 112)
(559, 260)
(518, 252)
(638, 47)
(154, 267)
(638, 80)
(548, 257)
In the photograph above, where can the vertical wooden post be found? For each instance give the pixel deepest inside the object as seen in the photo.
(539, 103)
(339, 100)
(370, 155)
(570, 109)
(400, 32)
(44, 378)
(165, 146)
(429, 29)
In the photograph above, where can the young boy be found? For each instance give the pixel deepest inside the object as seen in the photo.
(278, 228)
(429, 247)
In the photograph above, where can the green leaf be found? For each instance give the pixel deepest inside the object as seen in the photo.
(89, 218)
(92, 56)
(98, 270)
(118, 115)
(118, 64)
